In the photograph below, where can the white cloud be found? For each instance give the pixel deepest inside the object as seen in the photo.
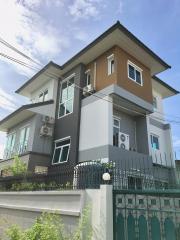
(80, 35)
(85, 8)
(7, 101)
(22, 25)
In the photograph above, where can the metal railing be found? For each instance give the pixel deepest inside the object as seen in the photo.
(89, 175)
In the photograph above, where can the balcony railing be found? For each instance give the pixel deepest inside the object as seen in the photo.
(18, 149)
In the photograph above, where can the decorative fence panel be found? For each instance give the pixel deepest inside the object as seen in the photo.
(150, 215)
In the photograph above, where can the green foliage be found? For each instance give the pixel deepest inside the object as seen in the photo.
(84, 230)
(29, 186)
(17, 168)
(15, 233)
(50, 227)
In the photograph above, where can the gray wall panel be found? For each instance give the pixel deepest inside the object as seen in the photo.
(69, 125)
(142, 135)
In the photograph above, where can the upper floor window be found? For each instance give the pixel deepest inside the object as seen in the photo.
(110, 64)
(135, 73)
(155, 102)
(43, 96)
(61, 151)
(66, 97)
(155, 142)
(87, 78)
(9, 149)
(23, 141)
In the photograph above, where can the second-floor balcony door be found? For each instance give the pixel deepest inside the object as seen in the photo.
(116, 130)
(24, 136)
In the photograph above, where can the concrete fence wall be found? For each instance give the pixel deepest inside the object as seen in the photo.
(23, 207)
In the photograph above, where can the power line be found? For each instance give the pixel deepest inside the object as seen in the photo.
(49, 74)
(29, 58)
(18, 51)
(18, 61)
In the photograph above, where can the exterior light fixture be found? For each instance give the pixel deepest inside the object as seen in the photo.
(106, 176)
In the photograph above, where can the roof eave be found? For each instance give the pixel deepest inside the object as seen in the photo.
(22, 108)
(174, 91)
(37, 75)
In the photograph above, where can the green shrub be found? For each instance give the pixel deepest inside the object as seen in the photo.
(50, 227)
(17, 168)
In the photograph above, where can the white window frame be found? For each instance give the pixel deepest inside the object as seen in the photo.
(69, 144)
(64, 80)
(88, 73)
(136, 68)
(110, 59)
(154, 135)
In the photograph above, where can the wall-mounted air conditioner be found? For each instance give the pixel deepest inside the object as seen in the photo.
(124, 141)
(47, 119)
(87, 90)
(46, 131)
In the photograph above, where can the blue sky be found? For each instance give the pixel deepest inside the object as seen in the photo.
(57, 29)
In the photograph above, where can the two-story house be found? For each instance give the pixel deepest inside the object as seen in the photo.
(104, 103)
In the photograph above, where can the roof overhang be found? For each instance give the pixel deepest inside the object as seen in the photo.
(49, 72)
(117, 35)
(163, 88)
(21, 114)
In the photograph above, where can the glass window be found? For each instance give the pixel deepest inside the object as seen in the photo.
(138, 77)
(155, 142)
(9, 149)
(24, 136)
(43, 96)
(134, 73)
(131, 72)
(46, 95)
(110, 64)
(88, 78)
(134, 183)
(116, 130)
(61, 151)
(66, 97)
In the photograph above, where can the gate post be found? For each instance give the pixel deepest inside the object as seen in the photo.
(106, 212)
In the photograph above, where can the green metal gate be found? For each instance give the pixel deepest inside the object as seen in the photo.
(146, 215)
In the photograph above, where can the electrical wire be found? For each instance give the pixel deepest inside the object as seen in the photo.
(50, 74)
(18, 51)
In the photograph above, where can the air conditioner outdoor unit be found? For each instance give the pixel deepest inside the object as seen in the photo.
(124, 141)
(46, 131)
(87, 90)
(48, 119)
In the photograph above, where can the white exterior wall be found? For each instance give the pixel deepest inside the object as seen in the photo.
(159, 112)
(96, 124)
(165, 155)
(23, 208)
(49, 85)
